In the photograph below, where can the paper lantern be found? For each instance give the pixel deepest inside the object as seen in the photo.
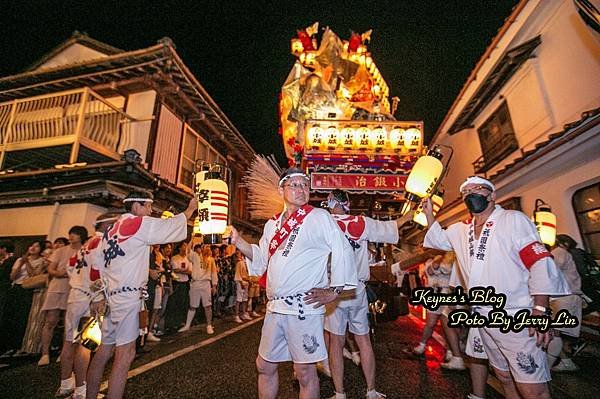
(363, 138)
(91, 333)
(419, 217)
(545, 222)
(331, 137)
(378, 138)
(347, 138)
(424, 176)
(412, 138)
(315, 137)
(213, 205)
(397, 138)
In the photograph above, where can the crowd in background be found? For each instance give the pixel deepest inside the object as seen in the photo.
(34, 287)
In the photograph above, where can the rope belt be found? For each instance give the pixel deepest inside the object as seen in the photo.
(290, 301)
(87, 293)
(125, 289)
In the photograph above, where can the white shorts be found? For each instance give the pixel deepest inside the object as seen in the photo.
(355, 317)
(200, 292)
(121, 325)
(241, 294)
(285, 337)
(75, 311)
(514, 352)
(573, 304)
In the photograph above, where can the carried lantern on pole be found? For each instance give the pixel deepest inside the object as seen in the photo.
(212, 194)
(437, 201)
(545, 222)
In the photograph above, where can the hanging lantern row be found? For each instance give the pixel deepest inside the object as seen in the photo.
(364, 138)
(436, 201)
(212, 194)
(545, 222)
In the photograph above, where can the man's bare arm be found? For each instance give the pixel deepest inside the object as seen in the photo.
(241, 244)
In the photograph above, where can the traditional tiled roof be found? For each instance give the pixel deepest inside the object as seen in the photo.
(160, 61)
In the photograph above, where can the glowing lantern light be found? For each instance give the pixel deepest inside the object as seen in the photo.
(167, 215)
(419, 217)
(378, 138)
(331, 137)
(424, 176)
(347, 138)
(397, 138)
(545, 222)
(91, 333)
(363, 138)
(412, 138)
(315, 137)
(368, 61)
(196, 229)
(213, 204)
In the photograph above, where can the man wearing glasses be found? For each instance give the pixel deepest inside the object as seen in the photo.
(294, 252)
(501, 248)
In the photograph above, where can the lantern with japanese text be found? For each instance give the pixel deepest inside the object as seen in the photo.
(424, 176)
(90, 332)
(331, 137)
(436, 201)
(412, 139)
(378, 138)
(315, 137)
(347, 138)
(545, 222)
(397, 138)
(212, 194)
(363, 138)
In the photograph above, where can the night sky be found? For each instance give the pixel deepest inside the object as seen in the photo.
(241, 53)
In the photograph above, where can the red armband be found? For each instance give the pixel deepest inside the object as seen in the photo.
(94, 274)
(533, 252)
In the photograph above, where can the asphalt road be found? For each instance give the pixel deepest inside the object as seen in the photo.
(195, 365)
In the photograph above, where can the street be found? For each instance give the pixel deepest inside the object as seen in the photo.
(195, 365)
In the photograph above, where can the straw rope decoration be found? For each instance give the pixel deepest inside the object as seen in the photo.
(261, 180)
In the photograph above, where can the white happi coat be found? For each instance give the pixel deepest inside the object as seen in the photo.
(79, 270)
(123, 256)
(300, 263)
(359, 231)
(512, 244)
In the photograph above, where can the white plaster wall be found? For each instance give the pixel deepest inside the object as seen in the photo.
(140, 106)
(71, 55)
(51, 220)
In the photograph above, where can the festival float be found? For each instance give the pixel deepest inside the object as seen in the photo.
(337, 122)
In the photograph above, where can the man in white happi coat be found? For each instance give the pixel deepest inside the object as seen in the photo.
(352, 313)
(74, 356)
(123, 259)
(501, 248)
(294, 252)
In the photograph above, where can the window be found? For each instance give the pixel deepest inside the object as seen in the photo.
(586, 203)
(194, 148)
(497, 139)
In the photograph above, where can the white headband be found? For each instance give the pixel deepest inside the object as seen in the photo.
(283, 179)
(477, 180)
(138, 200)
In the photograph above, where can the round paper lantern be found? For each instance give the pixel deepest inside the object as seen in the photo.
(331, 138)
(213, 207)
(315, 137)
(397, 138)
(424, 176)
(363, 138)
(545, 222)
(347, 138)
